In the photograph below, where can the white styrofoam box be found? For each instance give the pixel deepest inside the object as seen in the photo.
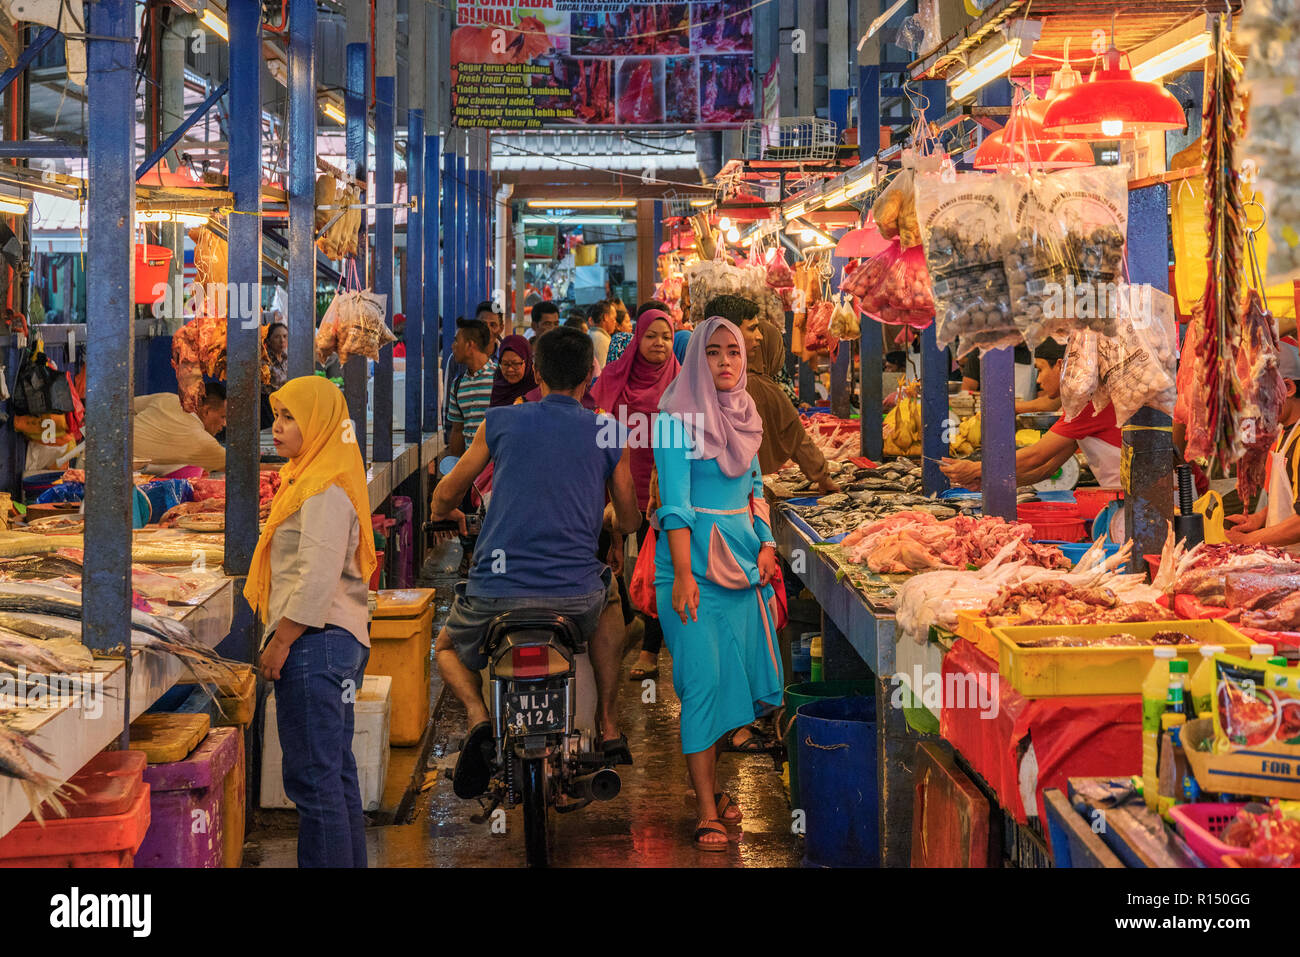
(373, 709)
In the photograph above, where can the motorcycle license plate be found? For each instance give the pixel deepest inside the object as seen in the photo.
(535, 712)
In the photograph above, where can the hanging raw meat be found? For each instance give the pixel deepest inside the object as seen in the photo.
(637, 104)
(1229, 388)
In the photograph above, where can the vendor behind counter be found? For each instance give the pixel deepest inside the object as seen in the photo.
(170, 438)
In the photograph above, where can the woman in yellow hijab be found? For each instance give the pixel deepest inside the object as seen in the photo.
(308, 583)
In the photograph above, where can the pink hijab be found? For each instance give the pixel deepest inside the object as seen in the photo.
(722, 425)
(632, 381)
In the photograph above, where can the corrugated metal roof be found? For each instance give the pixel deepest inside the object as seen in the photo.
(563, 150)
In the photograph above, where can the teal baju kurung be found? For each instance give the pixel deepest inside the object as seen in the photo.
(726, 667)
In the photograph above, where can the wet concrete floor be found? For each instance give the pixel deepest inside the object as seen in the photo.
(648, 825)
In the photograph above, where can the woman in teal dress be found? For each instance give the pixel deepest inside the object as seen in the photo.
(719, 557)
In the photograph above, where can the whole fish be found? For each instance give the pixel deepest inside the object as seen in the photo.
(19, 650)
(66, 603)
(16, 753)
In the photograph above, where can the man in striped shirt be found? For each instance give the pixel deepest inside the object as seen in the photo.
(473, 390)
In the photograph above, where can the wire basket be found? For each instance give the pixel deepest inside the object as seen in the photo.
(676, 204)
(797, 139)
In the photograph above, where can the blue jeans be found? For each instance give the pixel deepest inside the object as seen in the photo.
(314, 698)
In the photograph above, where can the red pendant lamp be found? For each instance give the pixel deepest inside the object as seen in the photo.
(863, 242)
(1023, 142)
(1112, 105)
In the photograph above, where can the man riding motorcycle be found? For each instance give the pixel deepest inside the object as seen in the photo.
(538, 546)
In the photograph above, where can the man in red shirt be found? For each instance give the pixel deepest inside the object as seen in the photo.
(1096, 435)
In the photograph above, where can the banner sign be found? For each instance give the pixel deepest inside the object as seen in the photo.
(534, 64)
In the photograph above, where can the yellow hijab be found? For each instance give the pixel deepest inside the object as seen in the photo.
(329, 456)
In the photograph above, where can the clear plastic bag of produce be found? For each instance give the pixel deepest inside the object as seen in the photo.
(1037, 259)
(895, 208)
(353, 326)
(1137, 366)
(896, 287)
(1080, 377)
(1091, 205)
(708, 278)
(844, 317)
(964, 221)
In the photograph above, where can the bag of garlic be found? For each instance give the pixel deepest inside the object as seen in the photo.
(1137, 366)
(1091, 206)
(1037, 262)
(963, 218)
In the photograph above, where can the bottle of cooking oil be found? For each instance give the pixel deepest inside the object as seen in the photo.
(1173, 763)
(815, 653)
(1202, 684)
(1259, 654)
(1155, 694)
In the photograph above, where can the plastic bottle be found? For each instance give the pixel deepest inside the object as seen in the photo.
(1173, 763)
(816, 652)
(1203, 680)
(1176, 698)
(1155, 693)
(1259, 654)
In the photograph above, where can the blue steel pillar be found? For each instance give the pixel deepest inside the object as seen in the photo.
(871, 350)
(355, 101)
(935, 362)
(243, 360)
(434, 279)
(842, 366)
(301, 318)
(414, 304)
(464, 239)
(450, 242)
(385, 145)
(1148, 447)
(110, 271)
(998, 396)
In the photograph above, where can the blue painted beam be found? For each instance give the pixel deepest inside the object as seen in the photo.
(464, 240)
(110, 271)
(450, 238)
(243, 349)
(385, 147)
(302, 187)
(998, 432)
(355, 369)
(434, 286)
(872, 348)
(413, 301)
(1148, 436)
(25, 58)
(998, 395)
(935, 362)
(175, 136)
(842, 365)
(40, 149)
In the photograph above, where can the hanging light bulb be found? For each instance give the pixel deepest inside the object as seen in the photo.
(733, 235)
(807, 235)
(724, 223)
(1113, 128)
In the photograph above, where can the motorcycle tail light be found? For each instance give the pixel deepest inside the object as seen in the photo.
(532, 661)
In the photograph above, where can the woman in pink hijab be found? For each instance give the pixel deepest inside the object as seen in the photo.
(713, 562)
(629, 388)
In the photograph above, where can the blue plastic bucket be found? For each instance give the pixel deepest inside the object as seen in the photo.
(838, 785)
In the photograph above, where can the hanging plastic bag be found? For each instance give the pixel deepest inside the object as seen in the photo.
(1091, 206)
(963, 219)
(844, 318)
(1079, 378)
(1037, 261)
(779, 274)
(897, 287)
(1136, 367)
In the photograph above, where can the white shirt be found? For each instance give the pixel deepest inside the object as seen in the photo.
(165, 433)
(600, 340)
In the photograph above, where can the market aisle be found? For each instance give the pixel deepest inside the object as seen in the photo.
(648, 825)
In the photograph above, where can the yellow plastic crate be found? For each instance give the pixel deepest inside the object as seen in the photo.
(974, 627)
(401, 636)
(165, 737)
(1052, 672)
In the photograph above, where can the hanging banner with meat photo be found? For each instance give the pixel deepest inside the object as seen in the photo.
(535, 64)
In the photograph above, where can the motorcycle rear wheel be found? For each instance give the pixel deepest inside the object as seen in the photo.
(536, 849)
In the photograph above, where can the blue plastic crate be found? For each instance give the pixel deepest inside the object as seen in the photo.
(1062, 495)
(1076, 550)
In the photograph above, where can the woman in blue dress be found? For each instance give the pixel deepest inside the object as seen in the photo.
(719, 557)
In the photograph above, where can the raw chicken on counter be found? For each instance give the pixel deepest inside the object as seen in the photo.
(916, 541)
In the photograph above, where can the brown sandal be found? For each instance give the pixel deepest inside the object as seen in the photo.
(725, 803)
(708, 828)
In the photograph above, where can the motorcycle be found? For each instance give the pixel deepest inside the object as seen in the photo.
(541, 695)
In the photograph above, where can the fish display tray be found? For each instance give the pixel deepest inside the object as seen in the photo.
(1053, 672)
